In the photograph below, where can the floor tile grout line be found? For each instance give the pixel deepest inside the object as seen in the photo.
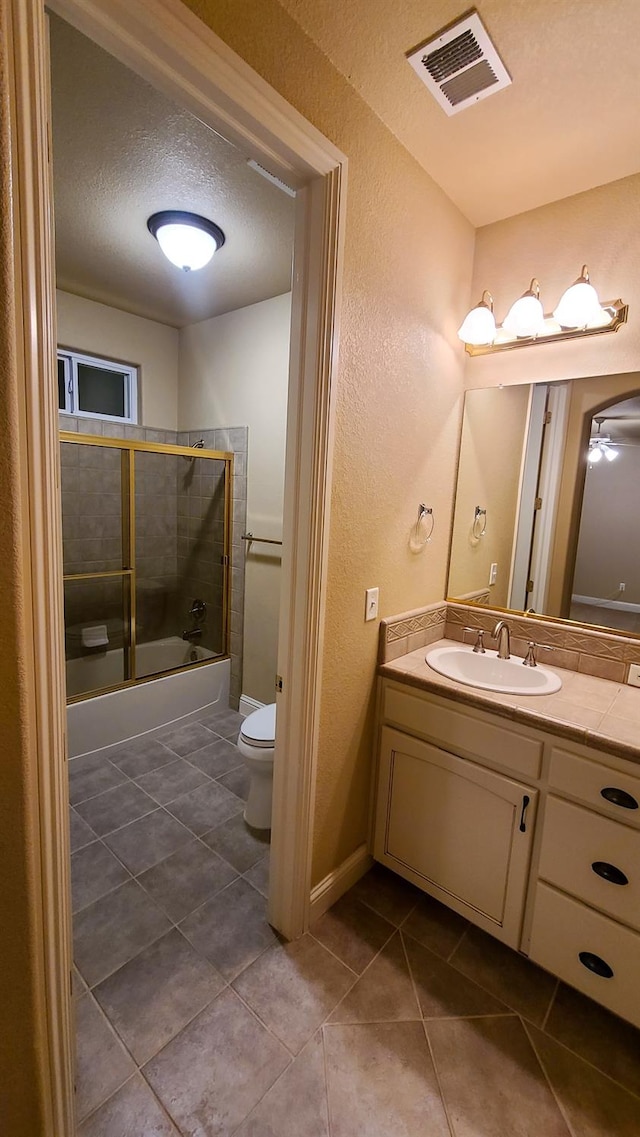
(103, 1015)
(336, 957)
(326, 1081)
(551, 1002)
(357, 977)
(458, 944)
(555, 1096)
(436, 1074)
(411, 976)
(427, 1039)
(621, 1086)
(87, 1116)
(266, 1026)
(499, 998)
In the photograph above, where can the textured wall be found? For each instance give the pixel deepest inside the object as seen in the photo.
(598, 227)
(99, 329)
(406, 286)
(235, 369)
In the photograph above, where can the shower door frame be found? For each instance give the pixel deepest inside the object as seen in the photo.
(164, 42)
(128, 500)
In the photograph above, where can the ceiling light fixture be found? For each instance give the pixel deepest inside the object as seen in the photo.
(578, 313)
(599, 446)
(186, 239)
(479, 325)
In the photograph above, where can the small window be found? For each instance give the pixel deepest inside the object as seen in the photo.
(97, 388)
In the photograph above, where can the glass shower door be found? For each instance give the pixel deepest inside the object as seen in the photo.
(97, 569)
(181, 514)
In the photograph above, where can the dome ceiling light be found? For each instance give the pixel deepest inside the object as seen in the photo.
(186, 239)
(578, 313)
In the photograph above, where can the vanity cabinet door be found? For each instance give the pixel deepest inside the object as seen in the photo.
(459, 831)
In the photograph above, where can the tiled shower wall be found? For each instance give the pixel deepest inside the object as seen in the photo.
(178, 557)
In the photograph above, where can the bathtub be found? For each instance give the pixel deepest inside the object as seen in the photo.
(111, 719)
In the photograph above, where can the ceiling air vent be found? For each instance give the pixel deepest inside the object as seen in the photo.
(460, 65)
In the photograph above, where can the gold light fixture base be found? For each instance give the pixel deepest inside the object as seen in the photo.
(552, 333)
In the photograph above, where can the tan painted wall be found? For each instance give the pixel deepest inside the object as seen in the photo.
(598, 227)
(234, 371)
(406, 284)
(92, 327)
(493, 434)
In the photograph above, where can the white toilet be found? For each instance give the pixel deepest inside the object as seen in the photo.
(256, 743)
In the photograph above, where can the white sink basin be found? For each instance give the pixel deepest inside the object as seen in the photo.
(487, 671)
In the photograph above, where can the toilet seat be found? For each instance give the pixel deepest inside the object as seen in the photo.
(259, 728)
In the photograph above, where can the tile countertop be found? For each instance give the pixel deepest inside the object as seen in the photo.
(594, 712)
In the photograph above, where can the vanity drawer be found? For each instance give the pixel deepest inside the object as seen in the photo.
(567, 936)
(453, 730)
(596, 859)
(607, 790)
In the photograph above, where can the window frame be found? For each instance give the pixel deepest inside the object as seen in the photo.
(128, 371)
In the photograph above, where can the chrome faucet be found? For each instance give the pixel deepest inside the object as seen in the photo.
(502, 635)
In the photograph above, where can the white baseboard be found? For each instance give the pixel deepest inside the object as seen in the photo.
(339, 881)
(248, 705)
(599, 602)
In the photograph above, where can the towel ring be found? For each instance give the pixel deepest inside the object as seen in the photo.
(419, 538)
(479, 527)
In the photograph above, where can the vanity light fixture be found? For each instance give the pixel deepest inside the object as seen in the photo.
(526, 316)
(479, 325)
(579, 305)
(578, 313)
(186, 239)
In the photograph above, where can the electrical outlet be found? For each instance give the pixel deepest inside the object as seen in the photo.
(621, 587)
(493, 573)
(371, 598)
(634, 675)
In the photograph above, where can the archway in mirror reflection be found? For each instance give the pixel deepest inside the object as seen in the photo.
(561, 536)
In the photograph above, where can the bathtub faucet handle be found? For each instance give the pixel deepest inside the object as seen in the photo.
(198, 610)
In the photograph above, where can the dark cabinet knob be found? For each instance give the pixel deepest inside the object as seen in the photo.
(619, 797)
(595, 964)
(609, 872)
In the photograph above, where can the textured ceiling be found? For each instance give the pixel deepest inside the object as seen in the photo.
(122, 151)
(568, 122)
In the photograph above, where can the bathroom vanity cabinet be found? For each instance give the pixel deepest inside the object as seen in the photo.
(533, 838)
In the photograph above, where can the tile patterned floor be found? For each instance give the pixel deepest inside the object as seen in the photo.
(393, 1017)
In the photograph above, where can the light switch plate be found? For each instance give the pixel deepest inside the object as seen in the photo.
(634, 675)
(493, 573)
(371, 598)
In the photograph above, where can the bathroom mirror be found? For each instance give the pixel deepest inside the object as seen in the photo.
(546, 511)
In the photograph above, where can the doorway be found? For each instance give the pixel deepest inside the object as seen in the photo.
(170, 47)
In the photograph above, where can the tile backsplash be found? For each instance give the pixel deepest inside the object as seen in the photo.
(575, 648)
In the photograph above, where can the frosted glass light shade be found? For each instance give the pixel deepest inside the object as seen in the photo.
(525, 317)
(609, 453)
(478, 326)
(579, 305)
(595, 454)
(187, 240)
